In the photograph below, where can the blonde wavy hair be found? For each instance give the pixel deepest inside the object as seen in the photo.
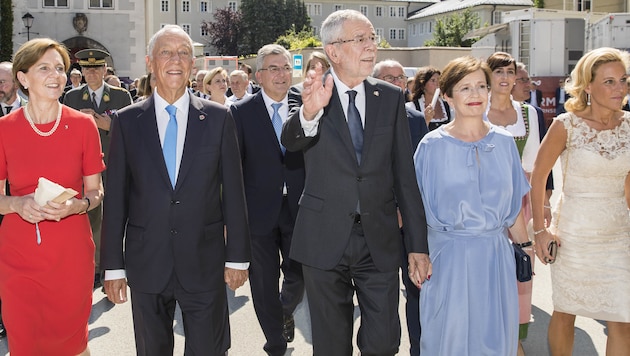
(584, 72)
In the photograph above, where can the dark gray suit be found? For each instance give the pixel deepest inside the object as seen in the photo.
(341, 251)
(169, 238)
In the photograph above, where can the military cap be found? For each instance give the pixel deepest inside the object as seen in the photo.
(91, 57)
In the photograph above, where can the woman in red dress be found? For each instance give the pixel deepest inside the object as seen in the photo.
(47, 252)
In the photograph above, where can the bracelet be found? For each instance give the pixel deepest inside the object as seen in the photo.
(547, 206)
(88, 207)
(540, 231)
(526, 244)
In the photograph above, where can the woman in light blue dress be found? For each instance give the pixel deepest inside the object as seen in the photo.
(472, 184)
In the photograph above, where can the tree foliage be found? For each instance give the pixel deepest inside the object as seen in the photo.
(539, 4)
(298, 40)
(225, 31)
(266, 20)
(450, 30)
(6, 30)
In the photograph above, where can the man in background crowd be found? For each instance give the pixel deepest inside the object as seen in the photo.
(274, 180)
(238, 85)
(100, 100)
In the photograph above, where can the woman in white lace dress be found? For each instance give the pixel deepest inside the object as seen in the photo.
(591, 273)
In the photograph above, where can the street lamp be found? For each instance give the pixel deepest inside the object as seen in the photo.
(27, 19)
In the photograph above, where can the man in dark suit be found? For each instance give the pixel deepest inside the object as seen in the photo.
(357, 152)
(100, 100)
(535, 95)
(561, 96)
(75, 81)
(274, 181)
(393, 72)
(9, 98)
(174, 183)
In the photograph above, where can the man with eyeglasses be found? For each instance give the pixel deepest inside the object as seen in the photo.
(354, 134)
(393, 72)
(75, 81)
(100, 100)
(9, 99)
(274, 180)
(535, 95)
(238, 85)
(175, 225)
(561, 96)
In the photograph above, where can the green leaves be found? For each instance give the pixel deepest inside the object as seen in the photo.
(449, 30)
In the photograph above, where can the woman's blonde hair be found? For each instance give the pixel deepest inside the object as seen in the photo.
(316, 55)
(584, 72)
(211, 74)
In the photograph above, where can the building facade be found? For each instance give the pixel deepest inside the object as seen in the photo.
(422, 24)
(116, 26)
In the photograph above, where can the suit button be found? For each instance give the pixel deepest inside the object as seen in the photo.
(359, 179)
(173, 232)
(174, 202)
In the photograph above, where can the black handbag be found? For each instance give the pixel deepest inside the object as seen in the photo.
(523, 263)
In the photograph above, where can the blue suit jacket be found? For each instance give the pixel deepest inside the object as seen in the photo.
(265, 168)
(180, 230)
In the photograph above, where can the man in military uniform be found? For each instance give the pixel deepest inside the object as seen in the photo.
(100, 100)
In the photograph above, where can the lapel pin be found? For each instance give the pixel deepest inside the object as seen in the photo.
(202, 117)
(376, 93)
(66, 127)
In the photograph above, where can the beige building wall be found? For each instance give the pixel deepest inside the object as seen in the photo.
(592, 5)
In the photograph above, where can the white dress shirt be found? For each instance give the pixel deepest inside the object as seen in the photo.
(162, 117)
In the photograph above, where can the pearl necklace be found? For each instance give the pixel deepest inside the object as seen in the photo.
(38, 131)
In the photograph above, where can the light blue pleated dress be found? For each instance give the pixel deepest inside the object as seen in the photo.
(472, 192)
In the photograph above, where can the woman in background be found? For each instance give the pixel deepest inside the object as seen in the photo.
(521, 120)
(424, 86)
(314, 59)
(215, 84)
(591, 273)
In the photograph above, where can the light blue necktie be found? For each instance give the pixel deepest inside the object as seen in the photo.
(276, 121)
(170, 143)
(355, 125)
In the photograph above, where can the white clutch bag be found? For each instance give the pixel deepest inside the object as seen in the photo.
(50, 191)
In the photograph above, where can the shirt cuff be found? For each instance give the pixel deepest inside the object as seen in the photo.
(112, 274)
(237, 265)
(310, 127)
